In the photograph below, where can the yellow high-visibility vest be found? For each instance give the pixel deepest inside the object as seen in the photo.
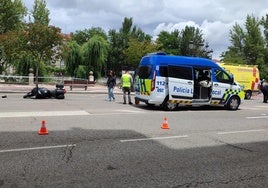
(126, 80)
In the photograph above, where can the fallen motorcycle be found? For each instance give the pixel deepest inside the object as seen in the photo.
(44, 93)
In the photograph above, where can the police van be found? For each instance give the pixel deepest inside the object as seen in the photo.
(170, 81)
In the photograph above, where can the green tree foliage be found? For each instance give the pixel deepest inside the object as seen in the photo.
(72, 57)
(178, 42)
(23, 64)
(119, 42)
(114, 61)
(169, 42)
(10, 43)
(254, 42)
(95, 53)
(235, 53)
(137, 49)
(11, 19)
(87, 51)
(264, 24)
(40, 12)
(41, 42)
(82, 37)
(12, 13)
(192, 35)
(248, 46)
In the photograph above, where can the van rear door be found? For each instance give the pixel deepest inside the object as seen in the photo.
(180, 82)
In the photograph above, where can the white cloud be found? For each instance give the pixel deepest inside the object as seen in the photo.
(214, 18)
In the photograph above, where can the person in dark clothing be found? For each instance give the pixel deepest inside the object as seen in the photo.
(111, 82)
(264, 90)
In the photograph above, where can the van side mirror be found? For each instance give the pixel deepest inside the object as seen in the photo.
(232, 79)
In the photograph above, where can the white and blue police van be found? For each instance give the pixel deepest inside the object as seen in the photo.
(170, 81)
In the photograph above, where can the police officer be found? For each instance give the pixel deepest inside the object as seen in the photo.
(126, 81)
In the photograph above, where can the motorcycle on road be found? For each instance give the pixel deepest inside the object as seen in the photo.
(44, 93)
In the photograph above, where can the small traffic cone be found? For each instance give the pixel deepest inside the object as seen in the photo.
(165, 124)
(43, 130)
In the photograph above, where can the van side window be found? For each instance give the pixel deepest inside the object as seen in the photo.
(222, 76)
(144, 71)
(163, 71)
(180, 72)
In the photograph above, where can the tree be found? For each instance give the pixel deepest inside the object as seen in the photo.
(12, 13)
(136, 50)
(194, 36)
(169, 42)
(72, 57)
(41, 42)
(264, 24)
(248, 45)
(119, 42)
(178, 42)
(11, 19)
(10, 43)
(82, 37)
(40, 13)
(235, 53)
(80, 58)
(254, 41)
(95, 54)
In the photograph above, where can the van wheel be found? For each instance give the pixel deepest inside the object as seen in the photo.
(248, 94)
(168, 106)
(233, 103)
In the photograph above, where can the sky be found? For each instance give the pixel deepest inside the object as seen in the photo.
(215, 18)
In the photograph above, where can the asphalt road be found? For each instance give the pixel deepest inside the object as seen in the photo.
(96, 143)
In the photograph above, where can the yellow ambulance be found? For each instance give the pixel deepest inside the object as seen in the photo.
(247, 76)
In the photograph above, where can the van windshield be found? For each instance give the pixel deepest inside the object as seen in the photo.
(144, 71)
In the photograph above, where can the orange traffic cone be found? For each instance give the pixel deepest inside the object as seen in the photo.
(43, 130)
(165, 124)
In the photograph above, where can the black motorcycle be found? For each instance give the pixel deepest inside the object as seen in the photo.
(44, 93)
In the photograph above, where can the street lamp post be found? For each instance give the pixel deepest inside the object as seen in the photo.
(195, 49)
(191, 47)
(199, 50)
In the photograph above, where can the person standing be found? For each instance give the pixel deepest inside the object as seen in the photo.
(126, 81)
(264, 90)
(111, 82)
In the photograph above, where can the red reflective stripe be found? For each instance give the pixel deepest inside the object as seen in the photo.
(254, 71)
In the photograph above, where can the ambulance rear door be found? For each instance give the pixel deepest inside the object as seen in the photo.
(180, 82)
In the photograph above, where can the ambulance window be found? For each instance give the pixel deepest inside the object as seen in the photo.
(222, 76)
(180, 72)
(144, 72)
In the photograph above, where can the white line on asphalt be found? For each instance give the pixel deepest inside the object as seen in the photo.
(44, 113)
(257, 117)
(37, 148)
(155, 138)
(131, 111)
(245, 131)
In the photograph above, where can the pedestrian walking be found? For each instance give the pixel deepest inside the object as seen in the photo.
(126, 81)
(111, 82)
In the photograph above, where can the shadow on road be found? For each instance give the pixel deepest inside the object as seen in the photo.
(99, 158)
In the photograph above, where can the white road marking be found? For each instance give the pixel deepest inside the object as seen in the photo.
(155, 138)
(36, 148)
(44, 113)
(131, 111)
(245, 131)
(257, 117)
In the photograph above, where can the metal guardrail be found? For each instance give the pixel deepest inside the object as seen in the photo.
(11, 79)
(14, 79)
